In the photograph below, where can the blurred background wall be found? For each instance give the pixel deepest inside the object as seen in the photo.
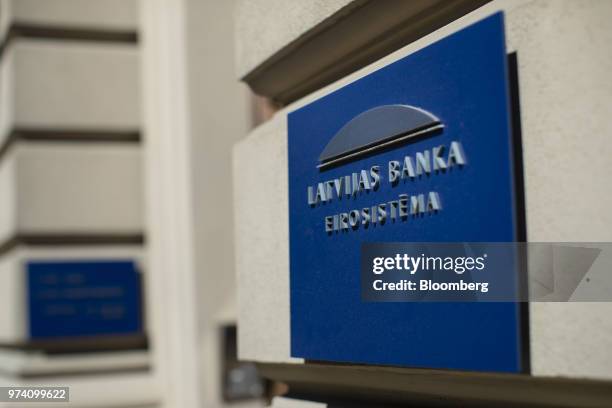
(221, 113)
(86, 119)
(73, 262)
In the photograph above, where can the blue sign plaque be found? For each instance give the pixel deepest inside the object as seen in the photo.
(418, 151)
(83, 298)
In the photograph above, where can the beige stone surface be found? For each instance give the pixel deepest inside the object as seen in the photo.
(69, 85)
(262, 243)
(72, 188)
(75, 84)
(566, 100)
(106, 14)
(263, 27)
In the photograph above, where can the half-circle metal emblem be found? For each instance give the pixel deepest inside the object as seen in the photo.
(376, 129)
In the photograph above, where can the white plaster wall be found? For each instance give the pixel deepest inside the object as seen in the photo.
(6, 13)
(220, 114)
(72, 84)
(79, 188)
(107, 14)
(262, 243)
(264, 27)
(8, 197)
(7, 93)
(12, 301)
(47, 84)
(564, 64)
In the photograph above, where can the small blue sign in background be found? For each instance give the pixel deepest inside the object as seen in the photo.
(83, 298)
(462, 80)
